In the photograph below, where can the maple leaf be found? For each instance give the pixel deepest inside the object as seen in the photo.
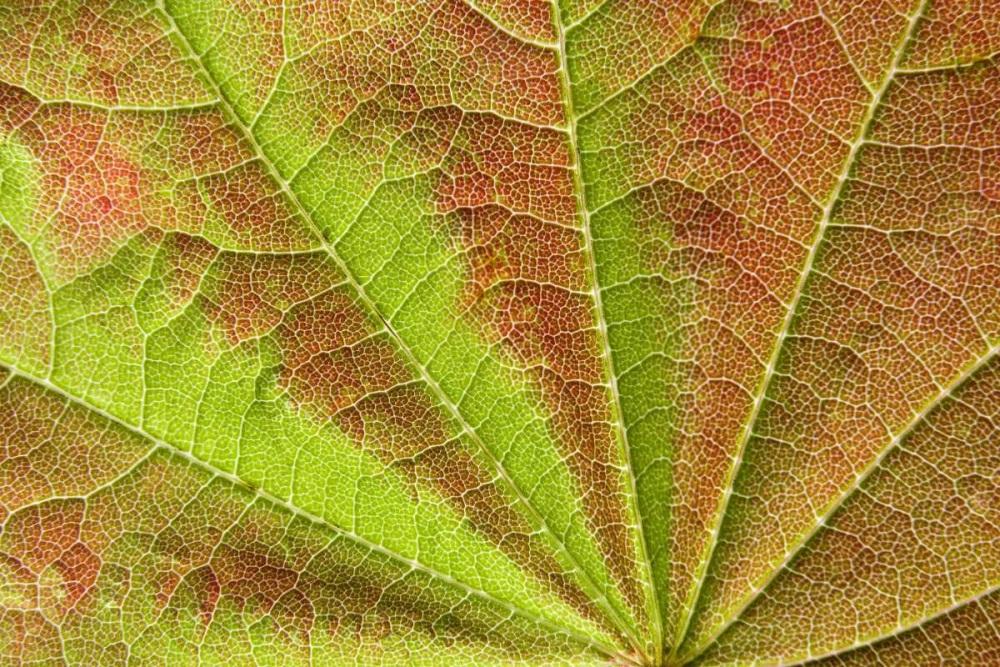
(454, 332)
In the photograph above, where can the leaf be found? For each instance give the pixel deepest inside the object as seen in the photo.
(505, 333)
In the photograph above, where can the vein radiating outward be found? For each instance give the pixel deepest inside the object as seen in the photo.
(586, 580)
(771, 370)
(602, 327)
(902, 630)
(296, 511)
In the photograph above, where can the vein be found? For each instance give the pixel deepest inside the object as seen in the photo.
(602, 327)
(508, 31)
(414, 564)
(50, 311)
(194, 105)
(770, 371)
(580, 572)
(902, 629)
(566, 27)
(950, 66)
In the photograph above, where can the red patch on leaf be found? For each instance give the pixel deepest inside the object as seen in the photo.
(248, 295)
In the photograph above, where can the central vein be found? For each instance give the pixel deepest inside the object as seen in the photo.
(580, 193)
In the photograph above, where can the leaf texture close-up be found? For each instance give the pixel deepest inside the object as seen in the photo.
(500, 332)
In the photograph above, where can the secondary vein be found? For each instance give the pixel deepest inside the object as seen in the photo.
(579, 188)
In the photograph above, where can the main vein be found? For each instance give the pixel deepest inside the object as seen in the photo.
(583, 576)
(903, 629)
(580, 190)
(786, 325)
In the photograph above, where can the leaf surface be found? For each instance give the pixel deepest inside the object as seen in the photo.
(451, 332)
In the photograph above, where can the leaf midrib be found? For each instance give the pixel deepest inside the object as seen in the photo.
(580, 192)
(579, 572)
